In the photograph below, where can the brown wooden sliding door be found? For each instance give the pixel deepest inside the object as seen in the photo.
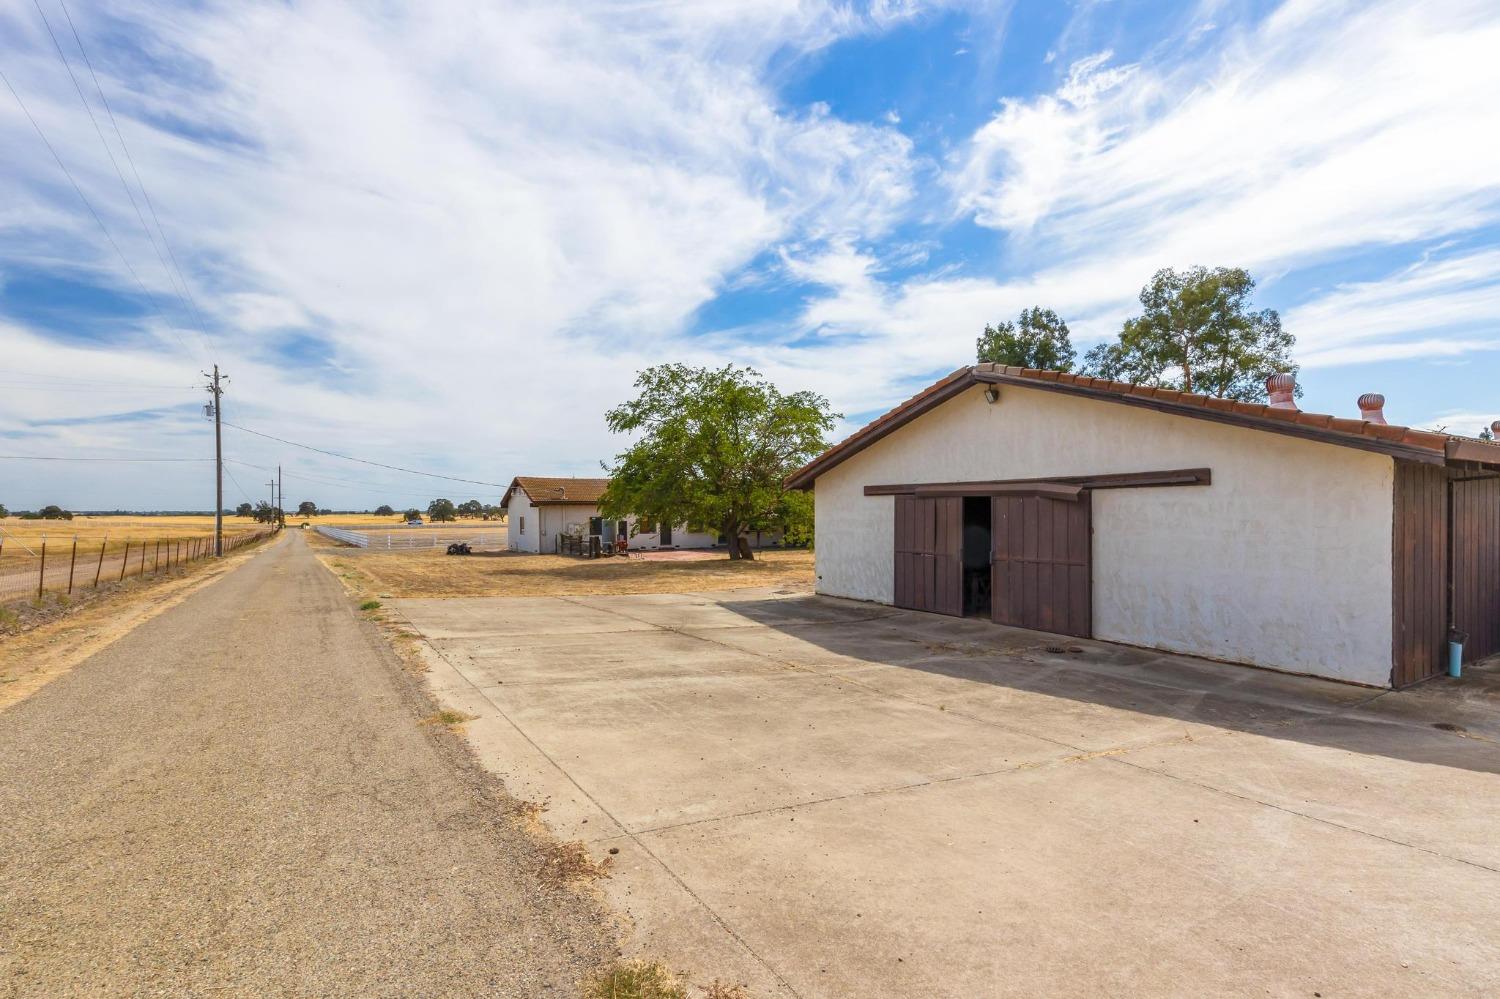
(1041, 570)
(929, 554)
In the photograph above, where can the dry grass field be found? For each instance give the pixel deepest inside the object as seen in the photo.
(20, 535)
(509, 574)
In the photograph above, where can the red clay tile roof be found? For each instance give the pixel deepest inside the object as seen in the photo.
(543, 490)
(1331, 429)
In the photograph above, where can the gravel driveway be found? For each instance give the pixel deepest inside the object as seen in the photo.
(239, 796)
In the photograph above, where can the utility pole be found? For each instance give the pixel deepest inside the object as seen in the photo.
(280, 496)
(217, 406)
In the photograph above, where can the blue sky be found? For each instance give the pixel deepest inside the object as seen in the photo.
(447, 237)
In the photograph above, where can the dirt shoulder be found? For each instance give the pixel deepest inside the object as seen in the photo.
(247, 795)
(513, 574)
(41, 641)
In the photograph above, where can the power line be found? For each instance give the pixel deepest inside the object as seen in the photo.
(237, 485)
(145, 195)
(363, 461)
(66, 381)
(383, 489)
(89, 205)
(51, 458)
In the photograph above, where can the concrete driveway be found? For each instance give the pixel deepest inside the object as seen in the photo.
(824, 798)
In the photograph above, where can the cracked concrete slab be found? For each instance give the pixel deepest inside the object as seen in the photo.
(824, 798)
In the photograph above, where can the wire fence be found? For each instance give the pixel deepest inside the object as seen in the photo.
(379, 541)
(67, 565)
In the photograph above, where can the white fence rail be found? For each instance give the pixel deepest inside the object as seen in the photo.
(354, 538)
(405, 541)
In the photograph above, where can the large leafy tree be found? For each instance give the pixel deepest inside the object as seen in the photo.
(1198, 333)
(713, 447)
(1037, 339)
(441, 509)
(307, 508)
(265, 513)
(244, 510)
(470, 508)
(384, 510)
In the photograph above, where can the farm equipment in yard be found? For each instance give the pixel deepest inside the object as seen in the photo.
(459, 548)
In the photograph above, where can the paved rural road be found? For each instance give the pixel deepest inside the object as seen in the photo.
(238, 796)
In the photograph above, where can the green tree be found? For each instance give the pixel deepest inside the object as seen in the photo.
(411, 514)
(307, 508)
(1037, 339)
(470, 508)
(1485, 434)
(53, 512)
(441, 510)
(1198, 333)
(244, 510)
(265, 513)
(383, 510)
(714, 447)
(3, 512)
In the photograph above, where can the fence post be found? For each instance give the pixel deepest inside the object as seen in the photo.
(41, 575)
(143, 559)
(100, 567)
(71, 563)
(124, 560)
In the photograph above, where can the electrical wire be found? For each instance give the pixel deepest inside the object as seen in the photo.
(362, 461)
(383, 488)
(145, 195)
(237, 483)
(89, 205)
(39, 457)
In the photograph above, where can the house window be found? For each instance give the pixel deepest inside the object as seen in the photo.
(646, 527)
(523, 525)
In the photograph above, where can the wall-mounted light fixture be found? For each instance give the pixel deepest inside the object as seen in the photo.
(992, 394)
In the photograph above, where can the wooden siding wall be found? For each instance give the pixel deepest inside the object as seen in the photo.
(1419, 567)
(1476, 565)
(929, 554)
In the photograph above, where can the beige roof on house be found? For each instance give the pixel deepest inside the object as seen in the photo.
(544, 490)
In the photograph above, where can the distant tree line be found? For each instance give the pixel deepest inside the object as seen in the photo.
(50, 512)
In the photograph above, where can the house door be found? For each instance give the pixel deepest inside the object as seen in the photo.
(666, 534)
(1041, 572)
(929, 554)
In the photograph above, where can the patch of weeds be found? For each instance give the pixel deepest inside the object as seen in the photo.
(563, 863)
(529, 811)
(634, 980)
(723, 990)
(370, 605)
(449, 718)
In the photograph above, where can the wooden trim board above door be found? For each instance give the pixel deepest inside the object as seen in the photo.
(1051, 490)
(1108, 480)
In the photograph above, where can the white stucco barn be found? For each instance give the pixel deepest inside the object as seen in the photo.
(1248, 533)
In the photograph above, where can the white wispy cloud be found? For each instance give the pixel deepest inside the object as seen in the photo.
(485, 217)
(474, 222)
(1326, 129)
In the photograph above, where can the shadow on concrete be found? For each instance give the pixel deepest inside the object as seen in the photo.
(1444, 722)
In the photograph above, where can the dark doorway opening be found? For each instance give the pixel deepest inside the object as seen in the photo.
(978, 517)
